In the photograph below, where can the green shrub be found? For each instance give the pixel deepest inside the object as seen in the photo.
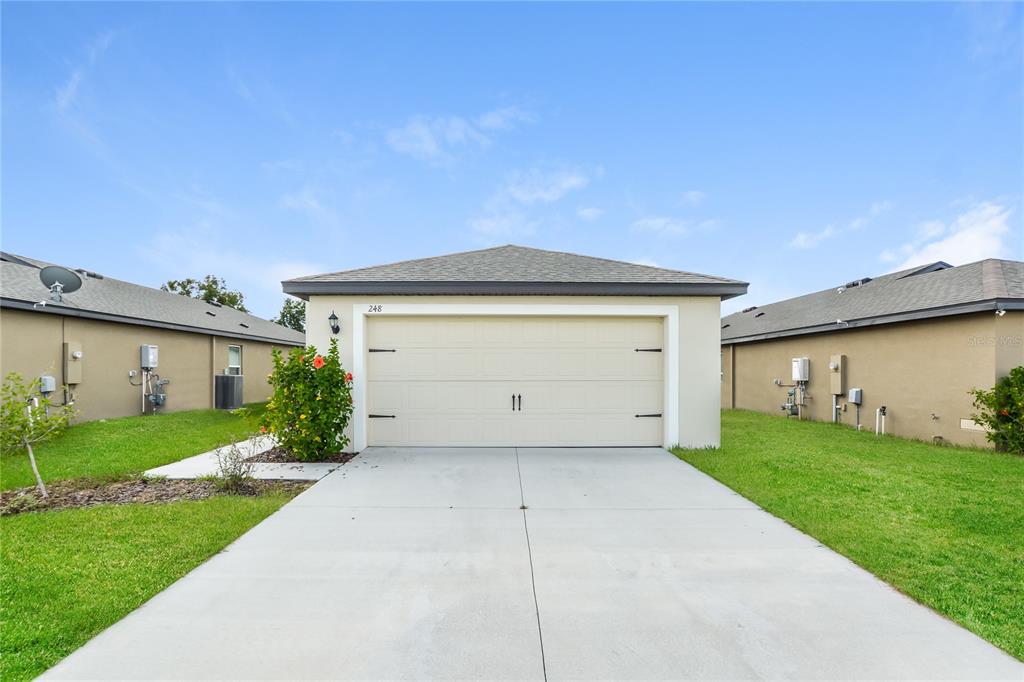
(311, 404)
(1002, 411)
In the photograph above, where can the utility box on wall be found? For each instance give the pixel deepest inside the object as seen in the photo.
(72, 363)
(801, 369)
(837, 374)
(148, 355)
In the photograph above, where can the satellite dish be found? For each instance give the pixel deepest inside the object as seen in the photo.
(59, 281)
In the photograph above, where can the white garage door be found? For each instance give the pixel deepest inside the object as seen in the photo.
(515, 381)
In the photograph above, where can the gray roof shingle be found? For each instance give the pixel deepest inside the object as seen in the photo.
(116, 300)
(927, 291)
(514, 269)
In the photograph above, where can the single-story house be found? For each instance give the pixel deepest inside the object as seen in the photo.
(520, 346)
(91, 341)
(915, 341)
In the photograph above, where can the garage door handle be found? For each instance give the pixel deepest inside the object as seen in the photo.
(381, 416)
(520, 402)
(380, 350)
(647, 415)
(646, 350)
(513, 402)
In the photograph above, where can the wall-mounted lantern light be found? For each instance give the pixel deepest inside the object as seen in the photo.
(333, 319)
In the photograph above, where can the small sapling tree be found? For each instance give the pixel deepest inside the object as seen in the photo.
(28, 417)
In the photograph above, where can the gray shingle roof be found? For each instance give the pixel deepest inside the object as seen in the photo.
(515, 270)
(116, 300)
(927, 291)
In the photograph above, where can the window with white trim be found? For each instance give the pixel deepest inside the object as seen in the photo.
(234, 360)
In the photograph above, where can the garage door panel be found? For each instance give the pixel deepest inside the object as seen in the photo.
(443, 396)
(384, 396)
(499, 365)
(451, 381)
(459, 364)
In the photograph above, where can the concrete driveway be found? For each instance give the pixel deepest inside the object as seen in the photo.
(626, 563)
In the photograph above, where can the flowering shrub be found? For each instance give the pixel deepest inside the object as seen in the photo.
(311, 404)
(1002, 411)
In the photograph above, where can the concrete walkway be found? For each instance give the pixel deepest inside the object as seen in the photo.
(206, 465)
(625, 564)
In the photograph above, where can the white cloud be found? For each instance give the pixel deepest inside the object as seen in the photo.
(545, 186)
(504, 212)
(808, 239)
(992, 31)
(503, 224)
(879, 207)
(978, 233)
(307, 202)
(282, 166)
(589, 213)
(672, 227)
(66, 94)
(343, 136)
(504, 118)
(240, 87)
(693, 197)
(662, 225)
(437, 140)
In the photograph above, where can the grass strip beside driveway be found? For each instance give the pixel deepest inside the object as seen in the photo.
(116, 448)
(944, 525)
(67, 575)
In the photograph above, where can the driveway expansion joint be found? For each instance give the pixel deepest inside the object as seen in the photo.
(533, 579)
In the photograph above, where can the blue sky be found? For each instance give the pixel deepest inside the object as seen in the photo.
(793, 146)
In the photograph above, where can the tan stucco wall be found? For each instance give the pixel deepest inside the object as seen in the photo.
(698, 327)
(257, 363)
(726, 375)
(31, 344)
(916, 369)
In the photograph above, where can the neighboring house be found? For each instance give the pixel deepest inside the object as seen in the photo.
(92, 340)
(519, 346)
(915, 341)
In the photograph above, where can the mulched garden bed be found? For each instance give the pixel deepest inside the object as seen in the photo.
(282, 456)
(75, 494)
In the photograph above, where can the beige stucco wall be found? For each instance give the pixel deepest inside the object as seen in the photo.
(31, 344)
(697, 325)
(916, 369)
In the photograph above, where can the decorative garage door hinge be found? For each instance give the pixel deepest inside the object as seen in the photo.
(647, 415)
(647, 350)
(382, 350)
(381, 416)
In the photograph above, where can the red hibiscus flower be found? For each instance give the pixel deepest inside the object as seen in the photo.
(263, 429)
(1005, 413)
(348, 377)
(318, 362)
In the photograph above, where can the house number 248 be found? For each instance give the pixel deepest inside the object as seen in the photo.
(377, 308)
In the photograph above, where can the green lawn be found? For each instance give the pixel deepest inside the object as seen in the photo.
(114, 448)
(944, 525)
(67, 575)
